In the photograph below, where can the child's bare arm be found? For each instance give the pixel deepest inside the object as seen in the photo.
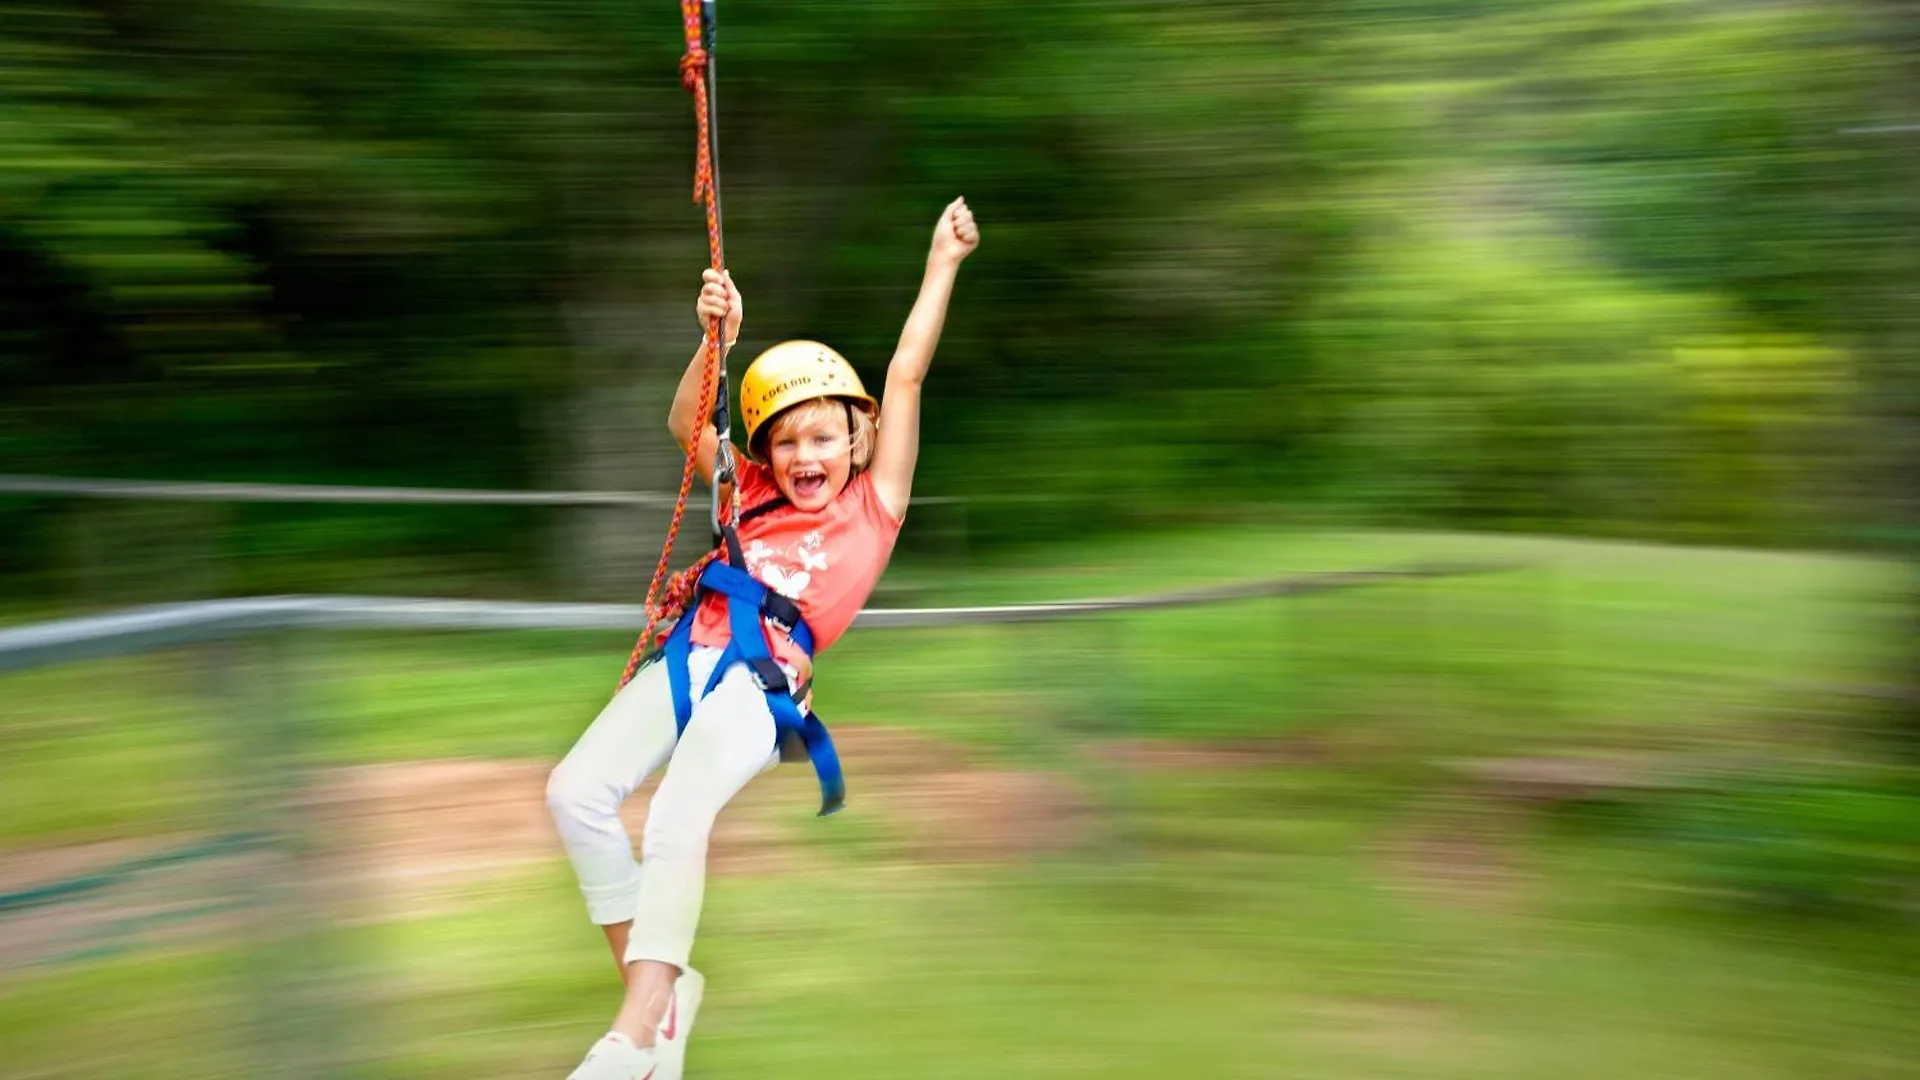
(898, 449)
(718, 297)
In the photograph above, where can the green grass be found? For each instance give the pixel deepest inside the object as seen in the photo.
(1624, 644)
(1241, 923)
(1280, 951)
(1589, 642)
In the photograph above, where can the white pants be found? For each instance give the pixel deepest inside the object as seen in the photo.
(728, 742)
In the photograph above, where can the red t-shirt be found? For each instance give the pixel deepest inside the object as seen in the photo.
(827, 561)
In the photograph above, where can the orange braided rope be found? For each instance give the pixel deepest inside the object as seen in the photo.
(662, 606)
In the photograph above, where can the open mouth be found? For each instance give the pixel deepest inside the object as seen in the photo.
(808, 484)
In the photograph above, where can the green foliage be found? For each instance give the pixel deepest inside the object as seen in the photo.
(1501, 380)
(1800, 844)
(1447, 263)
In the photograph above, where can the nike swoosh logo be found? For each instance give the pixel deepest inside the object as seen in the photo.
(673, 1014)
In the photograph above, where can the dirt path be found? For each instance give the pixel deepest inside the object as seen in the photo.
(409, 838)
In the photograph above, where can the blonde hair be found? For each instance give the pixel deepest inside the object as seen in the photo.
(864, 431)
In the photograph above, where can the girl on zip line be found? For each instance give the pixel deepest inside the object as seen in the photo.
(725, 697)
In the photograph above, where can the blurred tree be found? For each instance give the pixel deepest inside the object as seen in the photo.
(1890, 307)
(1593, 265)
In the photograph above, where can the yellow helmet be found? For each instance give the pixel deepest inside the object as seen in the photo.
(790, 373)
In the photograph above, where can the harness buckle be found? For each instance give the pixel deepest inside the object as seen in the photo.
(781, 611)
(768, 675)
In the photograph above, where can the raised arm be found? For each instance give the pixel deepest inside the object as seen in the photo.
(898, 449)
(718, 297)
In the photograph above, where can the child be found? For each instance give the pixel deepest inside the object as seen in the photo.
(822, 501)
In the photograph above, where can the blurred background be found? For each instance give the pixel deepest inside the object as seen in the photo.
(1613, 303)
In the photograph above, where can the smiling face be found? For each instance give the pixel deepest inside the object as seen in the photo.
(815, 447)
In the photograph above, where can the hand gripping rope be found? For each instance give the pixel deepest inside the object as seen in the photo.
(753, 610)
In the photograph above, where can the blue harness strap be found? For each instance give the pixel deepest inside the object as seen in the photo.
(747, 601)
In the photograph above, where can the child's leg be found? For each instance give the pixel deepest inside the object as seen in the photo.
(729, 741)
(632, 737)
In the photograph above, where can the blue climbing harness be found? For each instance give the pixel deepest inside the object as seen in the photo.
(748, 603)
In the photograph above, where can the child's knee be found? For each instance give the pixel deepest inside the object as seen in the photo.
(675, 832)
(572, 795)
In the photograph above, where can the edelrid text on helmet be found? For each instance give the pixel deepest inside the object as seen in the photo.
(790, 373)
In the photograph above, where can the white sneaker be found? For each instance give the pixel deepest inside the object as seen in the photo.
(670, 1039)
(615, 1057)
